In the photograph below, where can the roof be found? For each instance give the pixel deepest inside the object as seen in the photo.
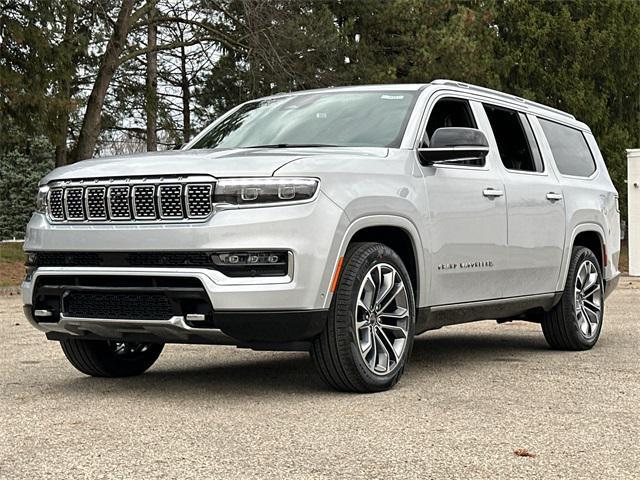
(517, 102)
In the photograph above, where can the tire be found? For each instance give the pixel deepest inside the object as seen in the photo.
(344, 352)
(575, 322)
(101, 358)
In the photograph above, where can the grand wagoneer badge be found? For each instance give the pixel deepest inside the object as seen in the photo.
(466, 265)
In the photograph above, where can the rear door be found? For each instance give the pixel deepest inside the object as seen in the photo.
(535, 204)
(467, 222)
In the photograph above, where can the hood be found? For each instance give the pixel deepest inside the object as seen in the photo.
(218, 163)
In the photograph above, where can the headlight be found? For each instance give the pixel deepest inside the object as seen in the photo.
(257, 191)
(41, 199)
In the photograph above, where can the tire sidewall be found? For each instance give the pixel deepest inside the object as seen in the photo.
(377, 255)
(579, 257)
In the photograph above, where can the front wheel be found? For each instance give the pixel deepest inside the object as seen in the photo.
(102, 358)
(576, 321)
(369, 333)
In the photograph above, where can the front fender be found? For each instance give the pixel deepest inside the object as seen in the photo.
(383, 221)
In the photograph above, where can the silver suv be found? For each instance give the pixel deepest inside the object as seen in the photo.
(342, 222)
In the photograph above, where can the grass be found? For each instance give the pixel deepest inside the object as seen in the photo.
(11, 264)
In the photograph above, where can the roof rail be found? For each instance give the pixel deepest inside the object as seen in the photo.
(506, 96)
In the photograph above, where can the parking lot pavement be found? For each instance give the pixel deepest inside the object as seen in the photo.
(473, 395)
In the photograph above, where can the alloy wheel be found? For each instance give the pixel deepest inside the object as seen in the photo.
(382, 319)
(588, 299)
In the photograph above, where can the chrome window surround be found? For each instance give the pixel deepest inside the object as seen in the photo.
(106, 184)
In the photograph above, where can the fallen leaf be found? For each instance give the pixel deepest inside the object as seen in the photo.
(523, 452)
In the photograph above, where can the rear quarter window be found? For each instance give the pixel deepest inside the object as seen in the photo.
(570, 149)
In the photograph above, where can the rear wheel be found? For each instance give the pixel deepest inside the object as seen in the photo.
(101, 358)
(576, 321)
(369, 334)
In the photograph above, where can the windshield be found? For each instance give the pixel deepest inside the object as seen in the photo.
(341, 119)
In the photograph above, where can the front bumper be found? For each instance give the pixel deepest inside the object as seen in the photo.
(312, 232)
(283, 309)
(282, 330)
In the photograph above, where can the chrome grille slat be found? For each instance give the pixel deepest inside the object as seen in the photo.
(177, 199)
(95, 199)
(198, 200)
(118, 203)
(144, 202)
(170, 201)
(56, 209)
(74, 203)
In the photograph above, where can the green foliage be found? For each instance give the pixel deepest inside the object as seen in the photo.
(582, 57)
(416, 41)
(11, 252)
(35, 60)
(20, 171)
(288, 46)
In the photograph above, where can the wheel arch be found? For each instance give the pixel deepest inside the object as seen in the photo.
(590, 235)
(399, 234)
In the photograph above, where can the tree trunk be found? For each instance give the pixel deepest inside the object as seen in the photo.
(92, 118)
(65, 91)
(151, 97)
(186, 97)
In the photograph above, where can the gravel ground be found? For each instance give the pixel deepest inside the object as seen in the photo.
(473, 395)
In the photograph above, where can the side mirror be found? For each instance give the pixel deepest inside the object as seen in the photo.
(454, 145)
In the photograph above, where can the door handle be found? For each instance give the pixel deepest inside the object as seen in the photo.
(492, 192)
(553, 196)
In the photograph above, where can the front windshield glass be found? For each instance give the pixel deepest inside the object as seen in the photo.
(342, 119)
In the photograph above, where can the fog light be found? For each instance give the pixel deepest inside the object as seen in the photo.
(252, 263)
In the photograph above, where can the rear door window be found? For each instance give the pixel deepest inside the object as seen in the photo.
(570, 149)
(516, 144)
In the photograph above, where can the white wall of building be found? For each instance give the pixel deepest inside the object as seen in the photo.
(633, 190)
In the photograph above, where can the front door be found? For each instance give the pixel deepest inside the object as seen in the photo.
(467, 221)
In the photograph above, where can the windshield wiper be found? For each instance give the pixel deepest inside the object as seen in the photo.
(292, 145)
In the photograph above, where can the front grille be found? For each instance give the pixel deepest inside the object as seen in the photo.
(132, 200)
(134, 306)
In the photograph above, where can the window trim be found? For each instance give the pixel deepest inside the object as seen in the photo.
(533, 141)
(431, 102)
(596, 169)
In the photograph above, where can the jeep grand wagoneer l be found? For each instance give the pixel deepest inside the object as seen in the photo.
(342, 221)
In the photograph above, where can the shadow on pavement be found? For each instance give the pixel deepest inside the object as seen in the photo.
(288, 373)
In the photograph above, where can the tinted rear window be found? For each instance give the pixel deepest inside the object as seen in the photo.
(569, 148)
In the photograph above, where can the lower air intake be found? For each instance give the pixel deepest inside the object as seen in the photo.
(125, 306)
